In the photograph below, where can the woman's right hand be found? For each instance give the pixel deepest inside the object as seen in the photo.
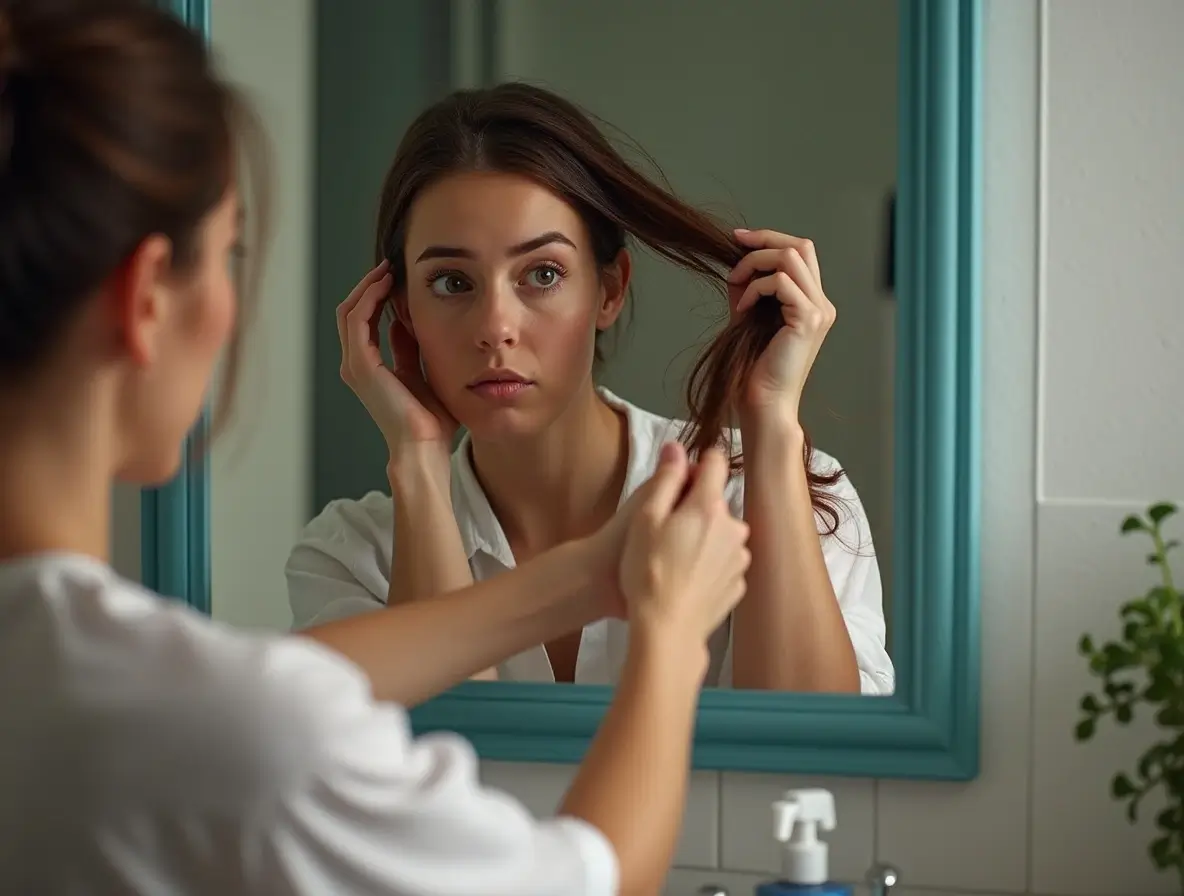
(400, 401)
(685, 556)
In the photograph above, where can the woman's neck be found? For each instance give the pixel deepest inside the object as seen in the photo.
(55, 484)
(561, 486)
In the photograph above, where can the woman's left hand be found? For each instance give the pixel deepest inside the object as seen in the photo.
(786, 268)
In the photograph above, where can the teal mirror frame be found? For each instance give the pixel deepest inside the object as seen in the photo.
(175, 518)
(929, 729)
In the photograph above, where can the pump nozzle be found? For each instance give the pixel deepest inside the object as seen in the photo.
(797, 816)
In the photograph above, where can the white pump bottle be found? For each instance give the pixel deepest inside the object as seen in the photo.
(798, 815)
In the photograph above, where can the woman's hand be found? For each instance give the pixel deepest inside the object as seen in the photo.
(673, 556)
(786, 268)
(400, 401)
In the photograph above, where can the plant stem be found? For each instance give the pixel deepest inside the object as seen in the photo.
(1162, 553)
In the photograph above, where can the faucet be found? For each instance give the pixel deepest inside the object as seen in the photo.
(881, 878)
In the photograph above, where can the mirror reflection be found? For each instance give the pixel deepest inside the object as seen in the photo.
(598, 228)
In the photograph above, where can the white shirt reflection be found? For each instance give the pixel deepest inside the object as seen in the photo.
(341, 566)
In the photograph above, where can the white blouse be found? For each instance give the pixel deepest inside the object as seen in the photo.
(341, 566)
(149, 750)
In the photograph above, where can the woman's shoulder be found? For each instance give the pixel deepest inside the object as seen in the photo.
(133, 674)
(368, 518)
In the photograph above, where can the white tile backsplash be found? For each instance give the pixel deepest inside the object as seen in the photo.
(1083, 362)
(541, 788)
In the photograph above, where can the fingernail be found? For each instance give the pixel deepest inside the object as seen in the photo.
(385, 263)
(741, 230)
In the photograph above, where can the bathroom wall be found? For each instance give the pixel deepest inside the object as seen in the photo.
(1084, 219)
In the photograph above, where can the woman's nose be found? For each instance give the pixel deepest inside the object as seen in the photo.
(497, 319)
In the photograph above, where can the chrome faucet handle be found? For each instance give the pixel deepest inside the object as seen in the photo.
(881, 878)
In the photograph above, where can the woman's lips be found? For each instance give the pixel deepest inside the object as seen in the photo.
(500, 390)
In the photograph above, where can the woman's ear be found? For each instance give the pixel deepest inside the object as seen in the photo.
(614, 287)
(400, 313)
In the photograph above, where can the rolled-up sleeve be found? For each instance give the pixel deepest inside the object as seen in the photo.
(341, 565)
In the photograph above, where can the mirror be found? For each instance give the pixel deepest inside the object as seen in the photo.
(850, 124)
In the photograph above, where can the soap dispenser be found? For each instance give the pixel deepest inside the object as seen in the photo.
(797, 817)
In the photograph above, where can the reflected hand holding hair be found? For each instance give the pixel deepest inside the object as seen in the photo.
(400, 401)
(785, 268)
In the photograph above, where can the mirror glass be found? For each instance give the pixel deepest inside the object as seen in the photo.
(777, 114)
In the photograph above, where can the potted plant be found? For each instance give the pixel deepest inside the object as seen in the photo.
(1144, 669)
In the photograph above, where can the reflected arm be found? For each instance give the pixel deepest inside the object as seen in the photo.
(414, 650)
(789, 632)
(428, 558)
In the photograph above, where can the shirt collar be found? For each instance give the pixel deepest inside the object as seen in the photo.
(475, 519)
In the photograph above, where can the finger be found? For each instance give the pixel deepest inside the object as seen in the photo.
(773, 239)
(756, 262)
(375, 274)
(665, 486)
(355, 295)
(362, 325)
(780, 286)
(710, 478)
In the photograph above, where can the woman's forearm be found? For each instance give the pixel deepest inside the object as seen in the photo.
(428, 556)
(415, 650)
(788, 632)
(632, 784)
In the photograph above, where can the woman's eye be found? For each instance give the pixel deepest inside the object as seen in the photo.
(543, 278)
(449, 285)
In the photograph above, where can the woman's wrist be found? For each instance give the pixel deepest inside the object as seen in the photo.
(663, 644)
(419, 467)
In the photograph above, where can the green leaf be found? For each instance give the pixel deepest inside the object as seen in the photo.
(1133, 524)
(1154, 560)
(1150, 761)
(1090, 705)
(1171, 716)
(1169, 544)
(1115, 658)
(1169, 819)
(1161, 852)
(1086, 645)
(1138, 610)
(1122, 787)
(1085, 729)
(1160, 512)
(1123, 713)
(1160, 689)
(1162, 598)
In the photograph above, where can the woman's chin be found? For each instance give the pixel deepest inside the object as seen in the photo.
(503, 424)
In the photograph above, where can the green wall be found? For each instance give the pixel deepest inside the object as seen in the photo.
(378, 64)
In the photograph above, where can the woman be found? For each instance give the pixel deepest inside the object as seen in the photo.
(502, 248)
(149, 750)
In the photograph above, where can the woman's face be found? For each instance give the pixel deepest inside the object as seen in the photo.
(505, 299)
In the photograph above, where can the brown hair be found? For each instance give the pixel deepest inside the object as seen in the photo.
(525, 130)
(113, 127)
